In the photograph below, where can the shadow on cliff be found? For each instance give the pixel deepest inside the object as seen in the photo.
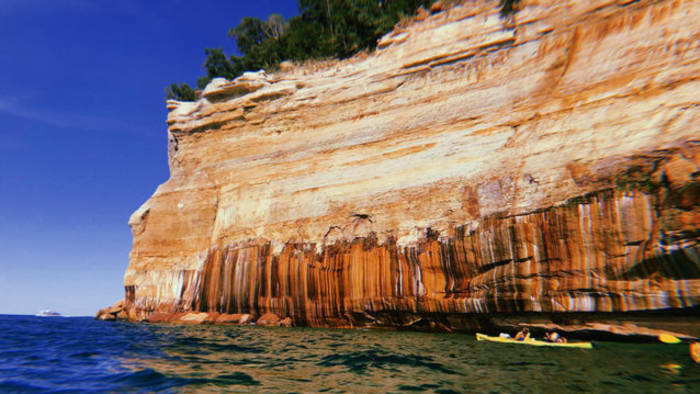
(680, 264)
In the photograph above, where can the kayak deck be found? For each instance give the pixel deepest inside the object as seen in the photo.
(534, 342)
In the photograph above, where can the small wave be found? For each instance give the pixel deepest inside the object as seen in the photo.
(9, 386)
(237, 378)
(359, 362)
(422, 387)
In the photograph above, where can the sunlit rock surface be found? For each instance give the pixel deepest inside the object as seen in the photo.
(472, 166)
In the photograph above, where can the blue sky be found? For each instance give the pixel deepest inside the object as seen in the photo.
(83, 134)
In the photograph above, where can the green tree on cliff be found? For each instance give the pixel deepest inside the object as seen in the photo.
(181, 92)
(323, 29)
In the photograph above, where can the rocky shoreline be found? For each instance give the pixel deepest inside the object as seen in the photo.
(631, 327)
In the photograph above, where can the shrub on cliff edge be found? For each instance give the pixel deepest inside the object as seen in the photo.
(323, 29)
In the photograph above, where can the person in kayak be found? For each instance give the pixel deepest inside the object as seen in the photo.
(554, 337)
(523, 335)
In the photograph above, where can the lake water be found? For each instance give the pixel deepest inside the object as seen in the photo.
(55, 354)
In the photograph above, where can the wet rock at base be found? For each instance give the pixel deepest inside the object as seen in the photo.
(236, 318)
(286, 322)
(268, 319)
(115, 312)
(194, 317)
(211, 317)
(161, 317)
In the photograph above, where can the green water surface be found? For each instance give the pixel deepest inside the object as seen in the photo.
(318, 360)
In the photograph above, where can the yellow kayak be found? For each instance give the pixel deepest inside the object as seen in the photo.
(535, 342)
(670, 339)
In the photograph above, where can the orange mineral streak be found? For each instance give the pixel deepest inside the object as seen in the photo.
(578, 257)
(471, 166)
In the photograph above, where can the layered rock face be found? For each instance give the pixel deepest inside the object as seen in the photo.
(473, 165)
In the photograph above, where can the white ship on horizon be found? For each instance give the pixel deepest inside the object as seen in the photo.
(47, 313)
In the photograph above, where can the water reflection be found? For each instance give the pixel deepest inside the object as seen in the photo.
(196, 358)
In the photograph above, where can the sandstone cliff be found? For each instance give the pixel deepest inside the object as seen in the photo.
(547, 162)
